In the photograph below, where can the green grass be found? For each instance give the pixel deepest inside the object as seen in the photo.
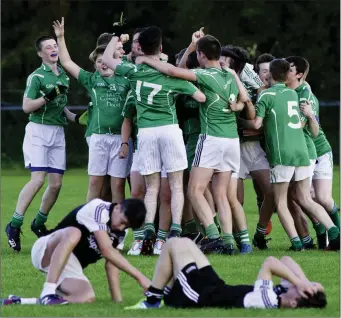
(19, 277)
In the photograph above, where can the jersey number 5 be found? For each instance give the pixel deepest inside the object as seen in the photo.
(156, 88)
(293, 112)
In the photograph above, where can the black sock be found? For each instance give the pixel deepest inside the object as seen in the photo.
(154, 295)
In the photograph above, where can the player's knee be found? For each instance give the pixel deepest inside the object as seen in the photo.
(73, 234)
(325, 201)
(38, 181)
(89, 297)
(193, 191)
(55, 186)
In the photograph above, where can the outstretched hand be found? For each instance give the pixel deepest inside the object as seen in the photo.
(197, 35)
(58, 28)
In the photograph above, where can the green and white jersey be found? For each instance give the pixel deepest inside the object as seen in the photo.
(321, 143)
(38, 84)
(88, 131)
(108, 96)
(192, 119)
(154, 93)
(129, 111)
(305, 94)
(284, 138)
(216, 117)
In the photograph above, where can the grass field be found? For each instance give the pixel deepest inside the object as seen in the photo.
(20, 278)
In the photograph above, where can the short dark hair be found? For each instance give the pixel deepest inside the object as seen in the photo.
(263, 58)
(279, 69)
(192, 61)
(301, 63)
(209, 46)
(104, 39)
(238, 55)
(180, 54)
(150, 40)
(318, 300)
(138, 30)
(135, 212)
(40, 40)
(99, 50)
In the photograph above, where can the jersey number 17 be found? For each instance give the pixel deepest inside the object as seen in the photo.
(156, 88)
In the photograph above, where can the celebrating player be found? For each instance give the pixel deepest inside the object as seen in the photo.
(108, 94)
(44, 143)
(88, 233)
(184, 278)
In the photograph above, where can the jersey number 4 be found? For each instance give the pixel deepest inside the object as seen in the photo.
(156, 88)
(293, 112)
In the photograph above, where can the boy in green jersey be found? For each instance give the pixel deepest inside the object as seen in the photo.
(108, 94)
(159, 138)
(45, 98)
(320, 150)
(286, 149)
(217, 152)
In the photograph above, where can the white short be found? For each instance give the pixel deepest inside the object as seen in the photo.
(161, 146)
(135, 164)
(312, 168)
(324, 167)
(87, 138)
(220, 154)
(252, 158)
(72, 269)
(44, 148)
(104, 158)
(281, 173)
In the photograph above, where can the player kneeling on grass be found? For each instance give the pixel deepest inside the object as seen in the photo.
(193, 283)
(84, 236)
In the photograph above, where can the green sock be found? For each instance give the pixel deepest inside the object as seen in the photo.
(17, 220)
(202, 229)
(296, 242)
(227, 238)
(41, 219)
(176, 228)
(236, 238)
(149, 230)
(334, 215)
(161, 235)
(333, 233)
(244, 237)
(138, 234)
(189, 227)
(212, 231)
(260, 230)
(319, 228)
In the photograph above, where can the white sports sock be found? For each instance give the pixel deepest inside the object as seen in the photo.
(48, 289)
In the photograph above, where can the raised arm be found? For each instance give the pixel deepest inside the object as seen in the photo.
(108, 55)
(167, 68)
(64, 55)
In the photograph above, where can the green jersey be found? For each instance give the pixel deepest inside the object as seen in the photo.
(192, 119)
(320, 141)
(38, 84)
(88, 131)
(216, 117)
(108, 96)
(284, 138)
(154, 93)
(304, 94)
(129, 111)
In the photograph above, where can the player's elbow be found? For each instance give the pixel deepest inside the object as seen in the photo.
(107, 251)
(270, 260)
(26, 107)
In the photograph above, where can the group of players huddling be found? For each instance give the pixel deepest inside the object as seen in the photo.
(186, 136)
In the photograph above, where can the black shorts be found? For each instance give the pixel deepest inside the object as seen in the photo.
(193, 287)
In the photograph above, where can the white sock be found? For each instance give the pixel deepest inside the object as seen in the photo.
(29, 301)
(49, 289)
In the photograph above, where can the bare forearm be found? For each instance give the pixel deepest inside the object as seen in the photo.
(114, 282)
(31, 105)
(108, 55)
(191, 48)
(126, 129)
(294, 267)
(243, 96)
(313, 126)
(69, 115)
(64, 55)
(250, 110)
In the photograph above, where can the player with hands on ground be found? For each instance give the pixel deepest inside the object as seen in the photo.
(44, 99)
(87, 234)
(108, 94)
(217, 152)
(184, 278)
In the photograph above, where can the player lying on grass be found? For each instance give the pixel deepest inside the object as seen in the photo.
(84, 236)
(184, 278)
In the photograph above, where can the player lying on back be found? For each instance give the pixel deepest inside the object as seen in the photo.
(88, 233)
(184, 278)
